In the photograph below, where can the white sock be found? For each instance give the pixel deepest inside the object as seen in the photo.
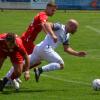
(10, 72)
(51, 67)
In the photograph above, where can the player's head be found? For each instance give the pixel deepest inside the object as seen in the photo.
(10, 40)
(72, 26)
(51, 8)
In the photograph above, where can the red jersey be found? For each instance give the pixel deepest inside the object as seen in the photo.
(17, 48)
(35, 27)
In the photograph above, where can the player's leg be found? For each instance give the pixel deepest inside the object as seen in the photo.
(34, 61)
(18, 67)
(16, 73)
(3, 56)
(9, 73)
(52, 57)
(55, 63)
(1, 82)
(46, 68)
(2, 59)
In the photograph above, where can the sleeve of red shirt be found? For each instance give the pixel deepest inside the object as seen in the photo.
(43, 17)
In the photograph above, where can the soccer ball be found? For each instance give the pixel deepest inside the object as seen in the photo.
(96, 84)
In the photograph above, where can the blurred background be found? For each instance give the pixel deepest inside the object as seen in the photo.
(40, 4)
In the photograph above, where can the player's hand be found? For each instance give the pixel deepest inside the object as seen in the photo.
(55, 38)
(26, 75)
(82, 54)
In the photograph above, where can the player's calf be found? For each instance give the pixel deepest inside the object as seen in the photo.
(47, 68)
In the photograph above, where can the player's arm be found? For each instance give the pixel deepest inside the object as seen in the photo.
(26, 60)
(26, 66)
(47, 27)
(44, 27)
(27, 63)
(71, 51)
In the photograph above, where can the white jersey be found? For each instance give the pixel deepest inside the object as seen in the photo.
(61, 34)
(45, 49)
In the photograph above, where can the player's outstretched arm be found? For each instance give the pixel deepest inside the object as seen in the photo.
(69, 50)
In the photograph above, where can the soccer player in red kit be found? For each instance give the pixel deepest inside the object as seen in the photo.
(37, 25)
(11, 46)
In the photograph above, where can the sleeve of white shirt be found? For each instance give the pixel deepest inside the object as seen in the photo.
(63, 36)
(66, 39)
(56, 26)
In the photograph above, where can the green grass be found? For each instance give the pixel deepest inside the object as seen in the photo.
(72, 83)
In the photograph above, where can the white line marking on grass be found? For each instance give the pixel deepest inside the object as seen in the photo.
(93, 29)
(64, 80)
(93, 57)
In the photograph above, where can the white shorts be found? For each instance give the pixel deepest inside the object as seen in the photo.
(46, 53)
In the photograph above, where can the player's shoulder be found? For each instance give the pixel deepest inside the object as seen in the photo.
(42, 13)
(18, 40)
(68, 35)
(58, 26)
(3, 35)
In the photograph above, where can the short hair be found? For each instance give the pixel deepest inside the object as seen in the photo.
(51, 4)
(10, 37)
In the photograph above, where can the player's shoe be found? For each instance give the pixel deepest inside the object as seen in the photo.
(3, 83)
(18, 80)
(9, 84)
(37, 71)
(15, 84)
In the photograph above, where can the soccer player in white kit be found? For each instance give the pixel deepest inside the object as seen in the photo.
(45, 49)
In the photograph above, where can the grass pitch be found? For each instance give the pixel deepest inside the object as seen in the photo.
(72, 83)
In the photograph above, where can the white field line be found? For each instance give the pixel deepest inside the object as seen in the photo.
(96, 22)
(93, 57)
(93, 28)
(69, 81)
(89, 54)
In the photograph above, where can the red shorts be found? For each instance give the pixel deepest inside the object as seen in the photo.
(15, 56)
(29, 46)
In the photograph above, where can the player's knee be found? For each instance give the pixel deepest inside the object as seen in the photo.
(61, 66)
